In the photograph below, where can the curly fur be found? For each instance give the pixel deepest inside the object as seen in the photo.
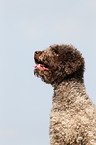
(73, 115)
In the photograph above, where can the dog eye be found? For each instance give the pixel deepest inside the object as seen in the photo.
(55, 51)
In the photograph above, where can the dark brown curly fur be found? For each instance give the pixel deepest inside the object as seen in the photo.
(64, 62)
(73, 115)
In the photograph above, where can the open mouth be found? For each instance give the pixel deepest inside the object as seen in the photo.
(41, 67)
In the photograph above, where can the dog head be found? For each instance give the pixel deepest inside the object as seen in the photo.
(58, 63)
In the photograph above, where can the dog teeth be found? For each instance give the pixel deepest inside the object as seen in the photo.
(38, 65)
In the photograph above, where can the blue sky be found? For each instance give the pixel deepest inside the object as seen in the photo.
(27, 26)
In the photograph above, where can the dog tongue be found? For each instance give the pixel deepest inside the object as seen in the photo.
(40, 66)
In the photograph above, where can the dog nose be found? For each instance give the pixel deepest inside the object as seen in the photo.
(37, 52)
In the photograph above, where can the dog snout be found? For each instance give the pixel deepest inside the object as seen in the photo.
(38, 52)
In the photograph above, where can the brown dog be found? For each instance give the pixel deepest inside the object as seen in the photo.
(73, 115)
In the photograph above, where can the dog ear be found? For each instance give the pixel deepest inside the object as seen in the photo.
(71, 67)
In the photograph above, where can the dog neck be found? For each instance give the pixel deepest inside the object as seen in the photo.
(66, 94)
